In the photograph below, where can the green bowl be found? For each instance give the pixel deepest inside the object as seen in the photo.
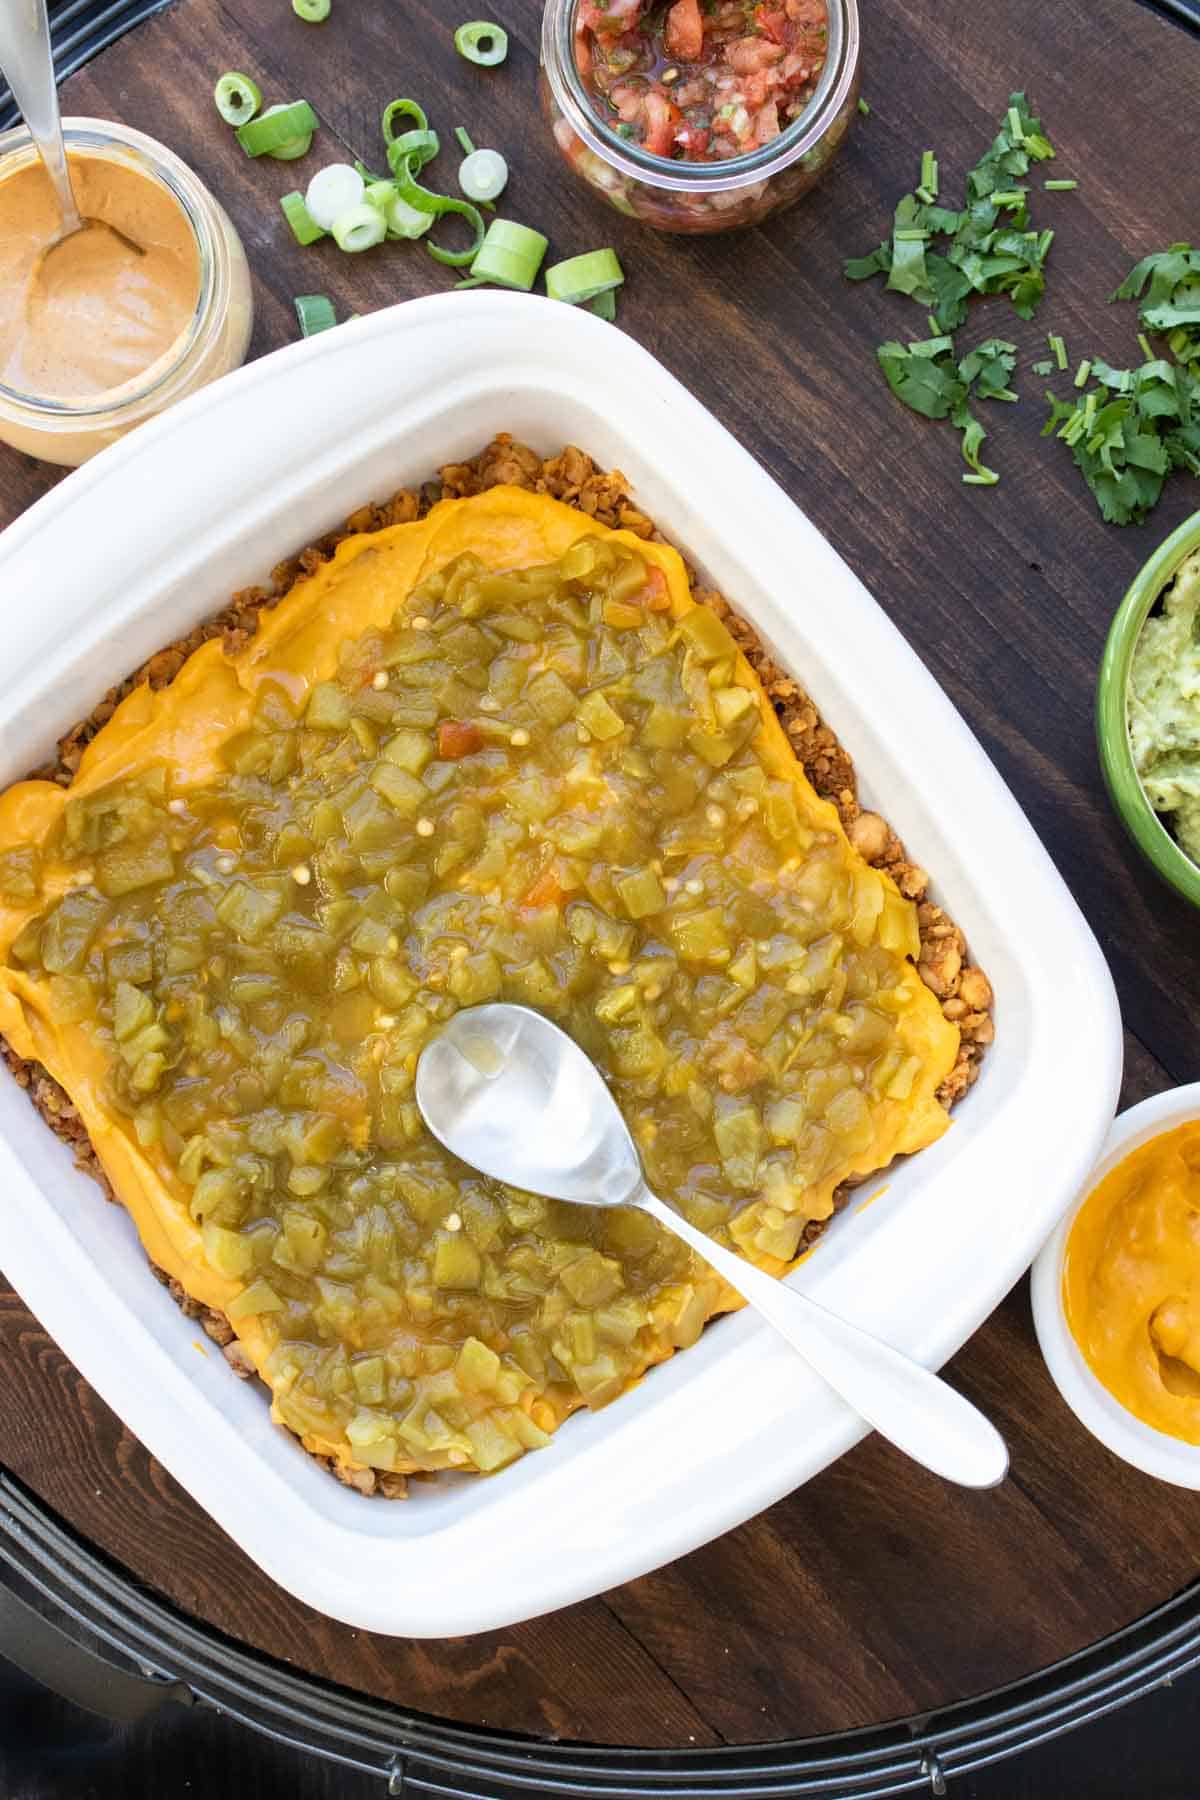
(1112, 730)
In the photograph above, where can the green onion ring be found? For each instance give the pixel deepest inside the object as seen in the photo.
(279, 130)
(405, 109)
(305, 229)
(457, 259)
(581, 278)
(361, 228)
(237, 98)
(482, 43)
(409, 189)
(510, 255)
(313, 12)
(483, 176)
(605, 306)
(419, 147)
(315, 313)
(404, 221)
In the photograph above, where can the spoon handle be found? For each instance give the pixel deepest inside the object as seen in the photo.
(908, 1404)
(28, 64)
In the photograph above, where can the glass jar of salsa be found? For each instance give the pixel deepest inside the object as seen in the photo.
(700, 115)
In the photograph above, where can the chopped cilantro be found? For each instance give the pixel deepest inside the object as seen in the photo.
(1129, 431)
(973, 436)
(927, 378)
(1046, 366)
(989, 368)
(1168, 286)
(991, 248)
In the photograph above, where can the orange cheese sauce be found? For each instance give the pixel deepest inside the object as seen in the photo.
(1131, 1282)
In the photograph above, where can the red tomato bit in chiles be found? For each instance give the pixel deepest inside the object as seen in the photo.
(698, 83)
(456, 738)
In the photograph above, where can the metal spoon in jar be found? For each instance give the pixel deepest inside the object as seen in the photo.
(488, 1088)
(27, 62)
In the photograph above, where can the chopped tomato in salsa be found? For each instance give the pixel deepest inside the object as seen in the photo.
(701, 80)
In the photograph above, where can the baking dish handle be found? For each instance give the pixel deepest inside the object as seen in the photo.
(42, 1650)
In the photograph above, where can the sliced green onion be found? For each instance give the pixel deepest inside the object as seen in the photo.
(1058, 348)
(1082, 373)
(1145, 346)
(421, 200)
(361, 228)
(510, 255)
(332, 192)
(280, 131)
(472, 281)
(402, 109)
(464, 144)
(1059, 187)
(605, 306)
(313, 12)
(457, 259)
(305, 229)
(415, 147)
(863, 108)
(581, 278)
(404, 221)
(482, 43)
(315, 313)
(237, 98)
(380, 194)
(483, 175)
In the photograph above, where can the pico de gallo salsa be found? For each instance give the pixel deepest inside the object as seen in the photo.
(698, 81)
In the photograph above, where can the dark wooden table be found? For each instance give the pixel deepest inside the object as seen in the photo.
(874, 1591)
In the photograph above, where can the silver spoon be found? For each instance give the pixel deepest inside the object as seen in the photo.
(509, 1093)
(28, 64)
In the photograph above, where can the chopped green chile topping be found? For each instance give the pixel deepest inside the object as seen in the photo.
(530, 786)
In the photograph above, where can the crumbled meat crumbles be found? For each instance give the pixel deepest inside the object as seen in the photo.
(572, 477)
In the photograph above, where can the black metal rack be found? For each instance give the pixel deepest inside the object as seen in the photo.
(107, 1644)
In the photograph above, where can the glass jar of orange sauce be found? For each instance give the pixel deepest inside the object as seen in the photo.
(118, 322)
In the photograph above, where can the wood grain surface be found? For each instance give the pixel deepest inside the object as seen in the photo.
(874, 1591)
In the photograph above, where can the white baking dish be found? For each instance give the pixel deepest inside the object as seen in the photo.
(127, 554)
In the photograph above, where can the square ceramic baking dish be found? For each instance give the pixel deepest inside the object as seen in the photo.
(127, 554)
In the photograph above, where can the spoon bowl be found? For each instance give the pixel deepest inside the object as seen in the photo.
(508, 1092)
(505, 1090)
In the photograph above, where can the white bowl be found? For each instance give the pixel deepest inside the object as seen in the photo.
(1155, 1452)
(131, 551)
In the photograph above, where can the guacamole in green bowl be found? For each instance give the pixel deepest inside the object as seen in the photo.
(1148, 710)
